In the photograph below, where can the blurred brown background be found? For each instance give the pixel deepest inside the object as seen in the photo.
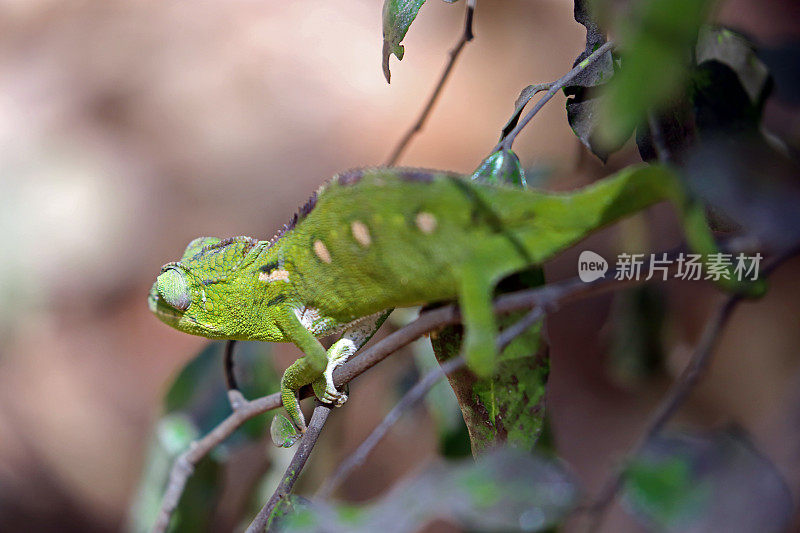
(127, 128)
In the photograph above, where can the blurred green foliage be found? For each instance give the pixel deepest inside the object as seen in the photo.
(195, 403)
(656, 39)
(714, 481)
(505, 489)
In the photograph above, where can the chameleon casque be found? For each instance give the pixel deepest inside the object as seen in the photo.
(371, 240)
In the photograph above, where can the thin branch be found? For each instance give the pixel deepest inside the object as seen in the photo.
(680, 390)
(669, 405)
(315, 425)
(557, 85)
(466, 37)
(185, 462)
(413, 397)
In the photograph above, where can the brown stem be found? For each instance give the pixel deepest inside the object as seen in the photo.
(466, 36)
(318, 418)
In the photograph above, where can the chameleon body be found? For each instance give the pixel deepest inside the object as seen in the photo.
(371, 240)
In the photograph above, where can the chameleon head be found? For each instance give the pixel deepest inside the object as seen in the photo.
(197, 294)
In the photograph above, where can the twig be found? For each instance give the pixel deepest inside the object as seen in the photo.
(508, 140)
(466, 37)
(185, 463)
(550, 297)
(676, 396)
(674, 399)
(412, 397)
(318, 418)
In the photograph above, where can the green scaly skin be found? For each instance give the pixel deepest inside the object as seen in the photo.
(382, 238)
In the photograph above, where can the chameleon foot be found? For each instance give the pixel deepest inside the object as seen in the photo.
(324, 388)
(326, 392)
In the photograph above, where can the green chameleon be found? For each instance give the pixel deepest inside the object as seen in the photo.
(371, 240)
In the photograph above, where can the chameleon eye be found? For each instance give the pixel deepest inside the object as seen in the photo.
(172, 286)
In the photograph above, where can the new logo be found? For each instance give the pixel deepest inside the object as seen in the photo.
(591, 266)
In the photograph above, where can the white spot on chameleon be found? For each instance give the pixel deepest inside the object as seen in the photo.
(361, 233)
(322, 251)
(275, 275)
(426, 222)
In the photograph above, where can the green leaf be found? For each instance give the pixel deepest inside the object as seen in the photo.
(502, 167)
(397, 18)
(730, 84)
(665, 491)
(443, 406)
(706, 482)
(657, 41)
(296, 511)
(504, 489)
(582, 115)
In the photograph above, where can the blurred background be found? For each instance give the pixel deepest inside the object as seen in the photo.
(128, 128)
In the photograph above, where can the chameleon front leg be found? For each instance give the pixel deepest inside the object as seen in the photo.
(316, 367)
(353, 338)
(303, 371)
